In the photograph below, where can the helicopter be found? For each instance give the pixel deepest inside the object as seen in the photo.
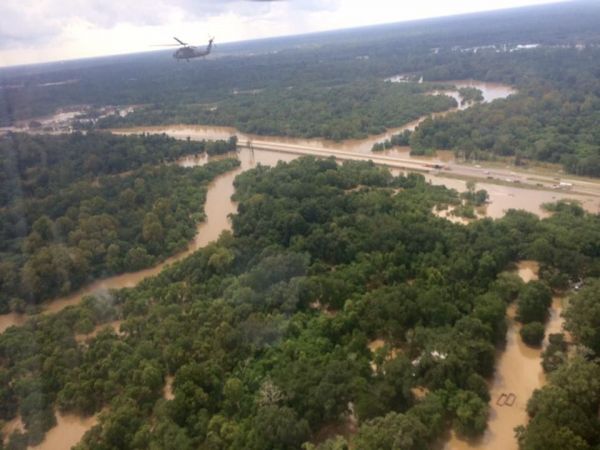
(188, 52)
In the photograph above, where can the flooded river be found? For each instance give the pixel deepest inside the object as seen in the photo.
(518, 371)
(217, 208)
(70, 428)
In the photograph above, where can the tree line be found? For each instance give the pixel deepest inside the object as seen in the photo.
(349, 111)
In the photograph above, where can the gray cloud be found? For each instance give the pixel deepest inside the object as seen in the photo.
(32, 21)
(17, 25)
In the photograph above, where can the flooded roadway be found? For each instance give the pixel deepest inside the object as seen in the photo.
(504, 191)
(491, 91)
(503, 196)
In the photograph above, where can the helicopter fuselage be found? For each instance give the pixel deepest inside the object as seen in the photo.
(188, 52)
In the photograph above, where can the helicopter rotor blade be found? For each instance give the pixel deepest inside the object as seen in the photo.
(180, 41)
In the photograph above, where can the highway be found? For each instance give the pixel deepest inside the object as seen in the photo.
(389, 161)
(488, 174)
(532, 179)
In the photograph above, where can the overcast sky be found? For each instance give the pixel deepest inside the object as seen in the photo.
(47, 30)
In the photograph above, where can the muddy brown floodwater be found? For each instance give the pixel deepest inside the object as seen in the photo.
(503, 197)
(218, 206)
(68, 432)
(168, 393)
(518, 371)
(15, 424)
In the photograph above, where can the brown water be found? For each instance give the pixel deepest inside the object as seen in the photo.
(68, 432)
(12, 425)
(217, 210)
(502, 197)
(505, 197)
(518, 371)
(71, 428)
(378, 344)
(212, 132)
(491, 91)
(168, 389)
(528, 270)
(448, 214)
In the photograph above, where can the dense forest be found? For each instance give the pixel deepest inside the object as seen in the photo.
(267, 331)
(75, 207)
(401, 139)
(553, 117)
(354, 110)
(470, 94)
(35, 166)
